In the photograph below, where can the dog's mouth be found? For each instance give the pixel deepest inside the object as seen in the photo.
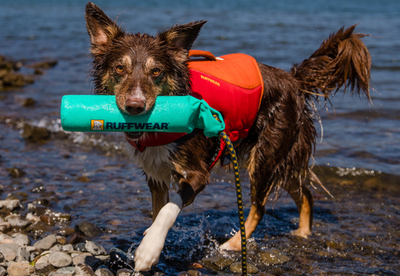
(133, 135)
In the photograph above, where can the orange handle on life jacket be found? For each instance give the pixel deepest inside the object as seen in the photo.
(200, 53)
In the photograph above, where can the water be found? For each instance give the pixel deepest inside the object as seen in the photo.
(362, 136)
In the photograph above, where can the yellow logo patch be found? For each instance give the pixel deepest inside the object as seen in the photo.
(97, 124)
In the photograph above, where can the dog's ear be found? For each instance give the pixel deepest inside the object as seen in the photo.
(182, 36)
(100, 27)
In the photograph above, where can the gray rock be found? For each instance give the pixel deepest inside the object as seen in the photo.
(67, 248)
(43, 260)
(237, 268)
(84, 270)
(9, 251)
(103, 271)
(3, 271)
(4, 226)
(4, 238)
(80, 247)
(95, 249)
(20, 269)
(43, 268)
(125, 272)
(17, 221)
(46, 243)
(217, 263)
(22, 255)
(68, 270)
(21, 239)
(10, 204)
(57, 247)
(59, 259)
(89, 229)
(272, 256)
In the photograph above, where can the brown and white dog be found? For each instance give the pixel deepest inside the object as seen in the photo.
(137, 68)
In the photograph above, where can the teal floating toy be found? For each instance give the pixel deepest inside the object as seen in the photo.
(100, 113)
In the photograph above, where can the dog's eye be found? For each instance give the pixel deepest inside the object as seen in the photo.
(155, 72)
(119, 69)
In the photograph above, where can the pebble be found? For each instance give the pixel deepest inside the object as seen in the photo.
(59, 259)
(217, 263)
(22, 255)
(89, 229)
(10, 204)
(272, 256)
(94, 248)
(9, 251)
(46, 243)
(43, 268)
(237, 268)
(20, 269)
(17, 221)
(21, 239)
(84, 270)
(103, 271)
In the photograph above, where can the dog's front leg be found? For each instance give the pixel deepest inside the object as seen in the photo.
(148, 252)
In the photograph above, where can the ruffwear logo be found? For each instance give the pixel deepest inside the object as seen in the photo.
(97, 124)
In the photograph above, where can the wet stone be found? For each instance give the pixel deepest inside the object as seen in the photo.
(43, 268)
(217, 263)
(4, 226)
(84, 270)
(66, 231)
(271, 257)
(20, 269)
(89, 229)
(37, 229)
(89, 260)
(46, 243)
(59, 259)
(95, 249)
(16, 172)
(118, 259)
(11, 203)
(17, 221)
(237, 268)
(125, 272)
(69, 270)
(34, 133)
(103, 271)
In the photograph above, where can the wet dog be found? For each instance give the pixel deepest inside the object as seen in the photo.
(137, 68)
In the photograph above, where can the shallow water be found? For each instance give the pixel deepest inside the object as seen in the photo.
(92, 177)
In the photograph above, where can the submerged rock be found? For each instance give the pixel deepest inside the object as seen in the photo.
(35, 133)
(217, 263)
(9, 78)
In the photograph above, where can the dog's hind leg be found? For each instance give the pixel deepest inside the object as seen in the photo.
(259, 189)
(159, 196)
(304, 202)
(254, 217)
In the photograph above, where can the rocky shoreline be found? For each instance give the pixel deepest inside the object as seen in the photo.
(27, 247)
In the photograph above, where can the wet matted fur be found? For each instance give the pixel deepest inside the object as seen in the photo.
(137, 68)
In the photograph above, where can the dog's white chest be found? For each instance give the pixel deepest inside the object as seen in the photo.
(156, 162)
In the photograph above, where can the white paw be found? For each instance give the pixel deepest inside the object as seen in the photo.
(149, 250)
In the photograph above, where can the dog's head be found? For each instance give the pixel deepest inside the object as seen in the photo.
(137, 68)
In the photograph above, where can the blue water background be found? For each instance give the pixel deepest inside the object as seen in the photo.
(278, 33)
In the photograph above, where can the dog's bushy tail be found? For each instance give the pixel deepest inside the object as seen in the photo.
(342, 61)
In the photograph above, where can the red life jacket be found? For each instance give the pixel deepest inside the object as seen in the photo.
(231, 84)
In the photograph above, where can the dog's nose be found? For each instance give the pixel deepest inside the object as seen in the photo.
(134, 106)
